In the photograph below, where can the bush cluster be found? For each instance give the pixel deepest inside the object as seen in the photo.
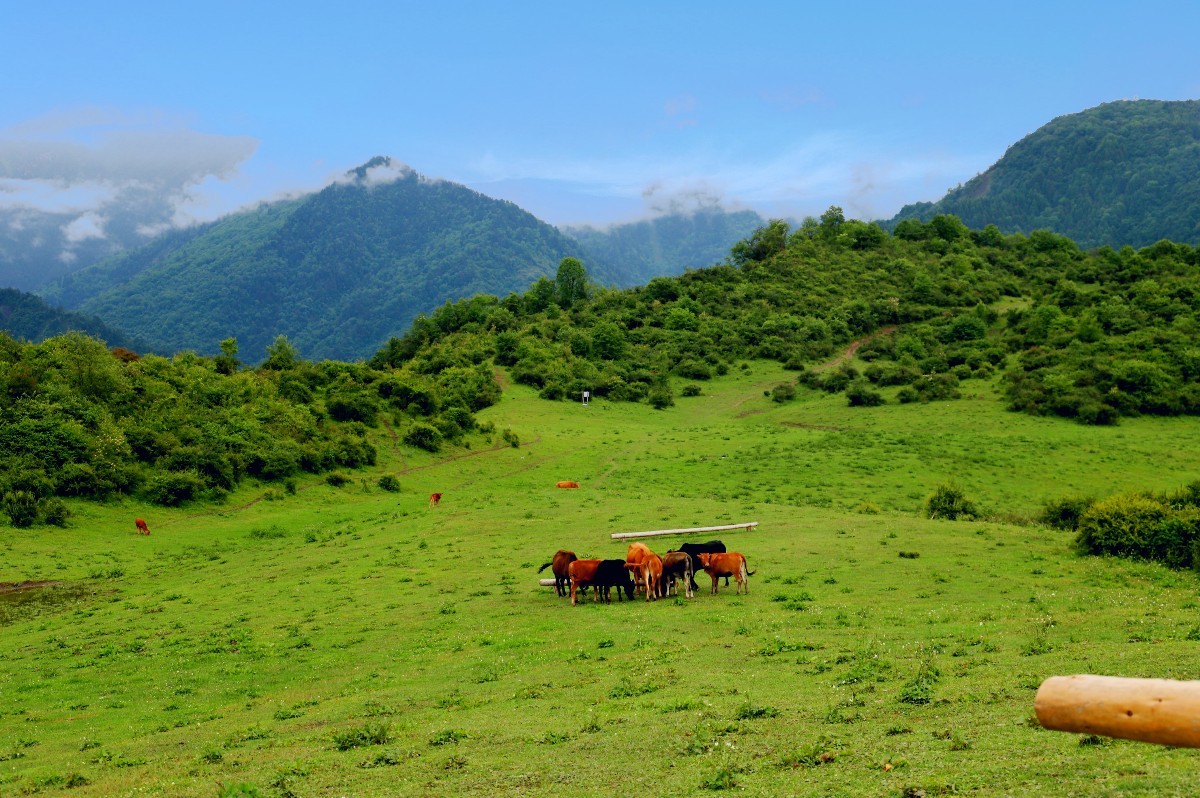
(1160, 527)
(78, 421)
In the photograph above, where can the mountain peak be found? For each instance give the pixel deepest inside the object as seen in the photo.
(380, 169)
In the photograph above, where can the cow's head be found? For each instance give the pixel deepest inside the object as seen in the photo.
(704, 558)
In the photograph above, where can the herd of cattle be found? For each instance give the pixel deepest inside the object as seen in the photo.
(643, 569)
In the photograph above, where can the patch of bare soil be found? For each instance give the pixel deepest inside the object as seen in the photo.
(16, 587)
(802, 425)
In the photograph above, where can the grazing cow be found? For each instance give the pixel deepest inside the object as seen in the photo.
(731, 564)
(141, 526)
(646, 566)
(610, 574)
(562, 580)
(693, 549)
(566, 484)
(435, 499)
(600, 575)
(678, 564)
(582, 573)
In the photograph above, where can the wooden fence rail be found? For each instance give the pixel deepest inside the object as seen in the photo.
(693, 530)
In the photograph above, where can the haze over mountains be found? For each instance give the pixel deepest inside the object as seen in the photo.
(340, 270)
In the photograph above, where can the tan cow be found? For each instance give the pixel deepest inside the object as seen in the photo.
(730, 564)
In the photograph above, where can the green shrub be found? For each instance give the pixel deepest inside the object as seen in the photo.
(21, 507)
(1065, 513)
(860, 394)
(173, 488)
(949, 502)
(389, 483)
(336, 480)
(660, 398)
(783, 392)
(54, 511)
(424, 437)
(690, 390)
(1139, 526)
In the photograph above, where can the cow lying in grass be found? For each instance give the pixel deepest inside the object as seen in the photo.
(731, 564)
(562, 559)
(601, 576)
(678, 565)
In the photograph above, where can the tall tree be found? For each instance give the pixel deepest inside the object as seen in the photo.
(570, 284)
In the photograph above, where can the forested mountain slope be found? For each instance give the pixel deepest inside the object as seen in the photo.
(25, 316)
(337, 272)
(664, 246)
(1122, 173)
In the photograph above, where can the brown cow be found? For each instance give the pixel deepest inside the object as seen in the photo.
(582, 573)
(678, 564)
(141, 526)
(646, 566)
(566, 484)
(435, 499)
(562, 559)
(731, 564)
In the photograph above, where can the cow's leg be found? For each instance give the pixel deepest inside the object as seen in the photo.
(574, 586)
(716, 581)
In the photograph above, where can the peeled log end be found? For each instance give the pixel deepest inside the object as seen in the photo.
(1160, 711)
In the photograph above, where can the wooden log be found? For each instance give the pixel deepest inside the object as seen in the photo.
(692, 531)
(546, 582)
(1160, 711)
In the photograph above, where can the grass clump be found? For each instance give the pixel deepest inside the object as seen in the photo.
(362, 736)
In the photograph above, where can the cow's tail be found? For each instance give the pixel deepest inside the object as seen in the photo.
(544, 567)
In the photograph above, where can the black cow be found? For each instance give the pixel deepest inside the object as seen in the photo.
(692, 549)
(612, 573)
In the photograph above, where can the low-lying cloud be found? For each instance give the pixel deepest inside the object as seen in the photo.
(97, 174)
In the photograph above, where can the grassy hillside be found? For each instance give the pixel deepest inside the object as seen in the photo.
(1124, 173)
(354, 641)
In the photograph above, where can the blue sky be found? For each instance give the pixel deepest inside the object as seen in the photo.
(579, 112)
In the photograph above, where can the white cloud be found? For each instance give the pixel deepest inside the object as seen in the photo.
(116, 174)
(90, 225)
(869, 179)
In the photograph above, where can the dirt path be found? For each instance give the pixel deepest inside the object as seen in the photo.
(836, 360)
(853, 347)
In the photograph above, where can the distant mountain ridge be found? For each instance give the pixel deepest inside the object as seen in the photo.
(27, 317)
(665, 245)
(1122, 173)
(342, 270)
(337, 272)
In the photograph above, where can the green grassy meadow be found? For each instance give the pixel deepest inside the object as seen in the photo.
(352, 641)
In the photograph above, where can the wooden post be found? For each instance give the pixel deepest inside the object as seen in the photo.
(692, 531)
(1159, 711)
